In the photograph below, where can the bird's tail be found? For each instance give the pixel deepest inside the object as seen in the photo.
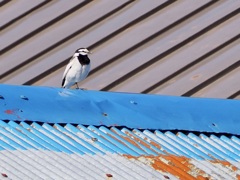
(63, 81)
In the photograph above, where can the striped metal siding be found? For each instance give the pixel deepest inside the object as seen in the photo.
(88, 152)
(188, 48)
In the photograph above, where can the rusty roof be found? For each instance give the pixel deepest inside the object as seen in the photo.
(33, 150)
(182, 48)
(55, 133)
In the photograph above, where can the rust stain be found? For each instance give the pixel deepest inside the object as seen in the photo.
(158, 164)
(12, 112)
(203, 178)
(4, 175)
(196, 145)
(131, 141)
(196, 76)
(115, 138)
(126, 138)
(109, 175)
(9, 111)
(140, 141)
(225, 164)
(180, 161)
(155, 144)
(238, 177)
(179, 166)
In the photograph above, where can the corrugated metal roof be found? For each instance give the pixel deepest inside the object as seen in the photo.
(181, 48)
(184, 47)
(116, 135)
(44, 151)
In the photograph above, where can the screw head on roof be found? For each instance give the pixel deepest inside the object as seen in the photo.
(104, 114)
(24, 97)
(94, 139)
(4, 175)
(109, 175)
(1, 97)
(166, 177)
(133, 102)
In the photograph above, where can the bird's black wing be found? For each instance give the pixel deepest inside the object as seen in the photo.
(69, 66)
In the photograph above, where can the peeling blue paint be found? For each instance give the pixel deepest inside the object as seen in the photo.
(87, 107)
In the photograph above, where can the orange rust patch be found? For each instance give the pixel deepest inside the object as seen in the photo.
(12, 112)
(115, 138)
(140, 141)
(155, 144)
(131, 141)
(178, 166)
(225, 164)
(126, 138)
(202, 178)
(9, 111)
(238, 177)
(180, 161)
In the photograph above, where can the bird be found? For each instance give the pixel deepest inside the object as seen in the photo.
(77, 69)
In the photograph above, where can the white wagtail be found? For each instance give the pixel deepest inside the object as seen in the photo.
(77, 68)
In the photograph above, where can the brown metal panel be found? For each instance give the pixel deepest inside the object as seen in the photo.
(89, 38)
(139, 46)
(129, 38)
(150, 74)
(146, 28)
(55, 33)
(14, 9)
(128, 16)
(53, 79)
(223, 87)
(19, 30)
(182, 57)
(36, 20)
(201, 72)
(138, 33)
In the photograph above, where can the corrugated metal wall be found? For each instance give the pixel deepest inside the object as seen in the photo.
(188, 48)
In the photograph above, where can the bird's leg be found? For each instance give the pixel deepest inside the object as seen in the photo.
(77, 85)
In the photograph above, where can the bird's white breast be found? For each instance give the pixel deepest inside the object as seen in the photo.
(75, 72)
(78, 72)
(81, 72)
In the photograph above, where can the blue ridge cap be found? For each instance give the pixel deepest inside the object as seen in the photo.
(143, 111)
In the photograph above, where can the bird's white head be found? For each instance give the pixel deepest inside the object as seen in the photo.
(81, 51)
